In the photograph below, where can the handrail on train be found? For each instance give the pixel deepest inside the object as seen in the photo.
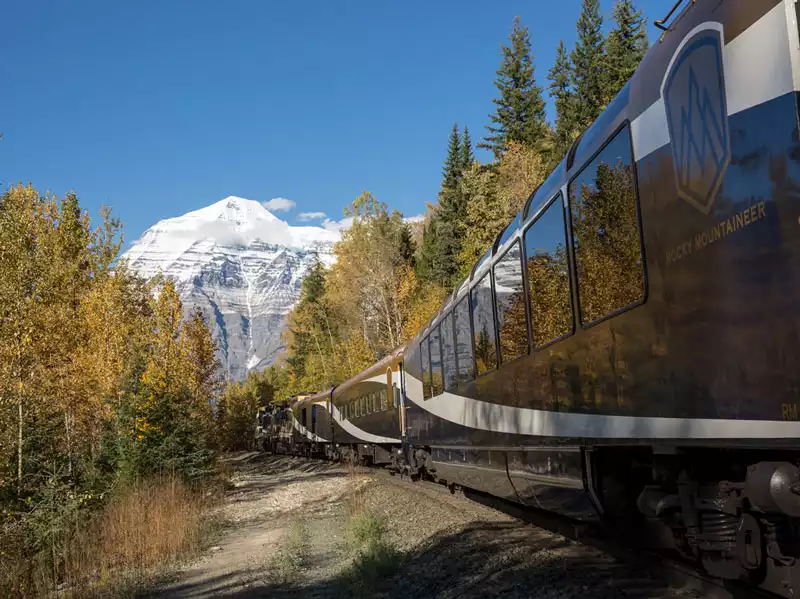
(662, 23)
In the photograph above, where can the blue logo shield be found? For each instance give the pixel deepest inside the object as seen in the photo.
(697, 117)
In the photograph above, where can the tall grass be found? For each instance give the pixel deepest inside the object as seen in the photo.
(140, 530)
(373, 556)
(288, 562)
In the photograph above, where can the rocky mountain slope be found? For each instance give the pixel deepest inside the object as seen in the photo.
(242, 266)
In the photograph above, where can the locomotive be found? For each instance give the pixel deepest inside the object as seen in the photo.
(627, 349)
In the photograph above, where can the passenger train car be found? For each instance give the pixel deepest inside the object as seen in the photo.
(628, 348)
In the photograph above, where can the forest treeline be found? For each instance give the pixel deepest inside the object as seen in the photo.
(105, 381)
(391, 276)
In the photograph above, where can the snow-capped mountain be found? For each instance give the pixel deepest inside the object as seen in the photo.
(242, 266)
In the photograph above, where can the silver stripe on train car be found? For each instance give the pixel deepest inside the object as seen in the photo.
(758, 68)
(360, 433)
(542, 423)
(305, 432)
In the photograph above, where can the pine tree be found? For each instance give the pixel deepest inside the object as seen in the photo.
(560, 77)
(452, 163)
(520, 112)
(588, 60)
(625, 47)
(466, 157)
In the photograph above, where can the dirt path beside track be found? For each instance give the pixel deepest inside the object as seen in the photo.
(290, 531)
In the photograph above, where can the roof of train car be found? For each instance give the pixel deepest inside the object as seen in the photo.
(379, 367)
(311, 399)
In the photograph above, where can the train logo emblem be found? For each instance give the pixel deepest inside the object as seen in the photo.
(697, 118)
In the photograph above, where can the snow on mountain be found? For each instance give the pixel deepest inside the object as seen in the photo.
(242, 266)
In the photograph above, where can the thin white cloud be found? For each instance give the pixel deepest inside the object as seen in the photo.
(415, 219)
(311, 215)
(279, 204)
(338, 225)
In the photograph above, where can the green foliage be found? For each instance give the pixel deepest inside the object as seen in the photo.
(588, 60)
(626, 45)
(374, 558)
(519, 115)
(100, 382)
(452, 164)
(561, 90)
(466, 157)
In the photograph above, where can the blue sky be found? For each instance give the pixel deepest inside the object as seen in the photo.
(157, 108)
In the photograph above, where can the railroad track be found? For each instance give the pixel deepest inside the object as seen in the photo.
(674, 572)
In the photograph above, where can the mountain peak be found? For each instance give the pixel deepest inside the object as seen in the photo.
(233, 208)
(242, 266)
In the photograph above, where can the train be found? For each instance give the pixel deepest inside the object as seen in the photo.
(627, 351)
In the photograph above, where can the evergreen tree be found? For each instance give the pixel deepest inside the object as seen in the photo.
(560, 77)
(452, 163)
(625, 47)
(520, 108)
(466, 157)
(588, 59)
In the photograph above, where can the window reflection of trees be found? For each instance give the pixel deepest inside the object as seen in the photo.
(449, 351)
(483, 325)
(436, 362)
(426, 369)
(463, 341)
(548, 276)
(510, 293)
(606, 232)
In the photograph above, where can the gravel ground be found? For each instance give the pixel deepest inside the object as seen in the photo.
(448, 547)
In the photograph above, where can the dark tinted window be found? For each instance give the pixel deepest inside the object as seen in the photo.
(448, 352)
(483, 325)
(606, 233)
(426, 369)
(548, 275)
(509, 291)
(395, 397)
(463, 341)
(436, 362)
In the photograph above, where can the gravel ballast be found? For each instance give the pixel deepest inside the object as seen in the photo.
(443, 546)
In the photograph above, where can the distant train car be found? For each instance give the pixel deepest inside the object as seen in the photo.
(311, 424)
(367, 412)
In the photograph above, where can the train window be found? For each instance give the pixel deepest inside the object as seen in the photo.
(510, 299)
(483, 325)
(548, 275)
(385, 399)
(313, 419)
(464, 363)
(395, 397)
(367, 399)
(426, 369)
(448, 352)
(303, 417)
(436, 362)
(605, 229)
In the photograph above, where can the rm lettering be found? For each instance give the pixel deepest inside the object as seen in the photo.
(789, 411)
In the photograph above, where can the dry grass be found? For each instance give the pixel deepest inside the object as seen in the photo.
(372, 556)
(355, 491)
(152, 524)
(288, 562)
(141, 532)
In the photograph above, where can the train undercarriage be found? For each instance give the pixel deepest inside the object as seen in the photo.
(732, 514)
